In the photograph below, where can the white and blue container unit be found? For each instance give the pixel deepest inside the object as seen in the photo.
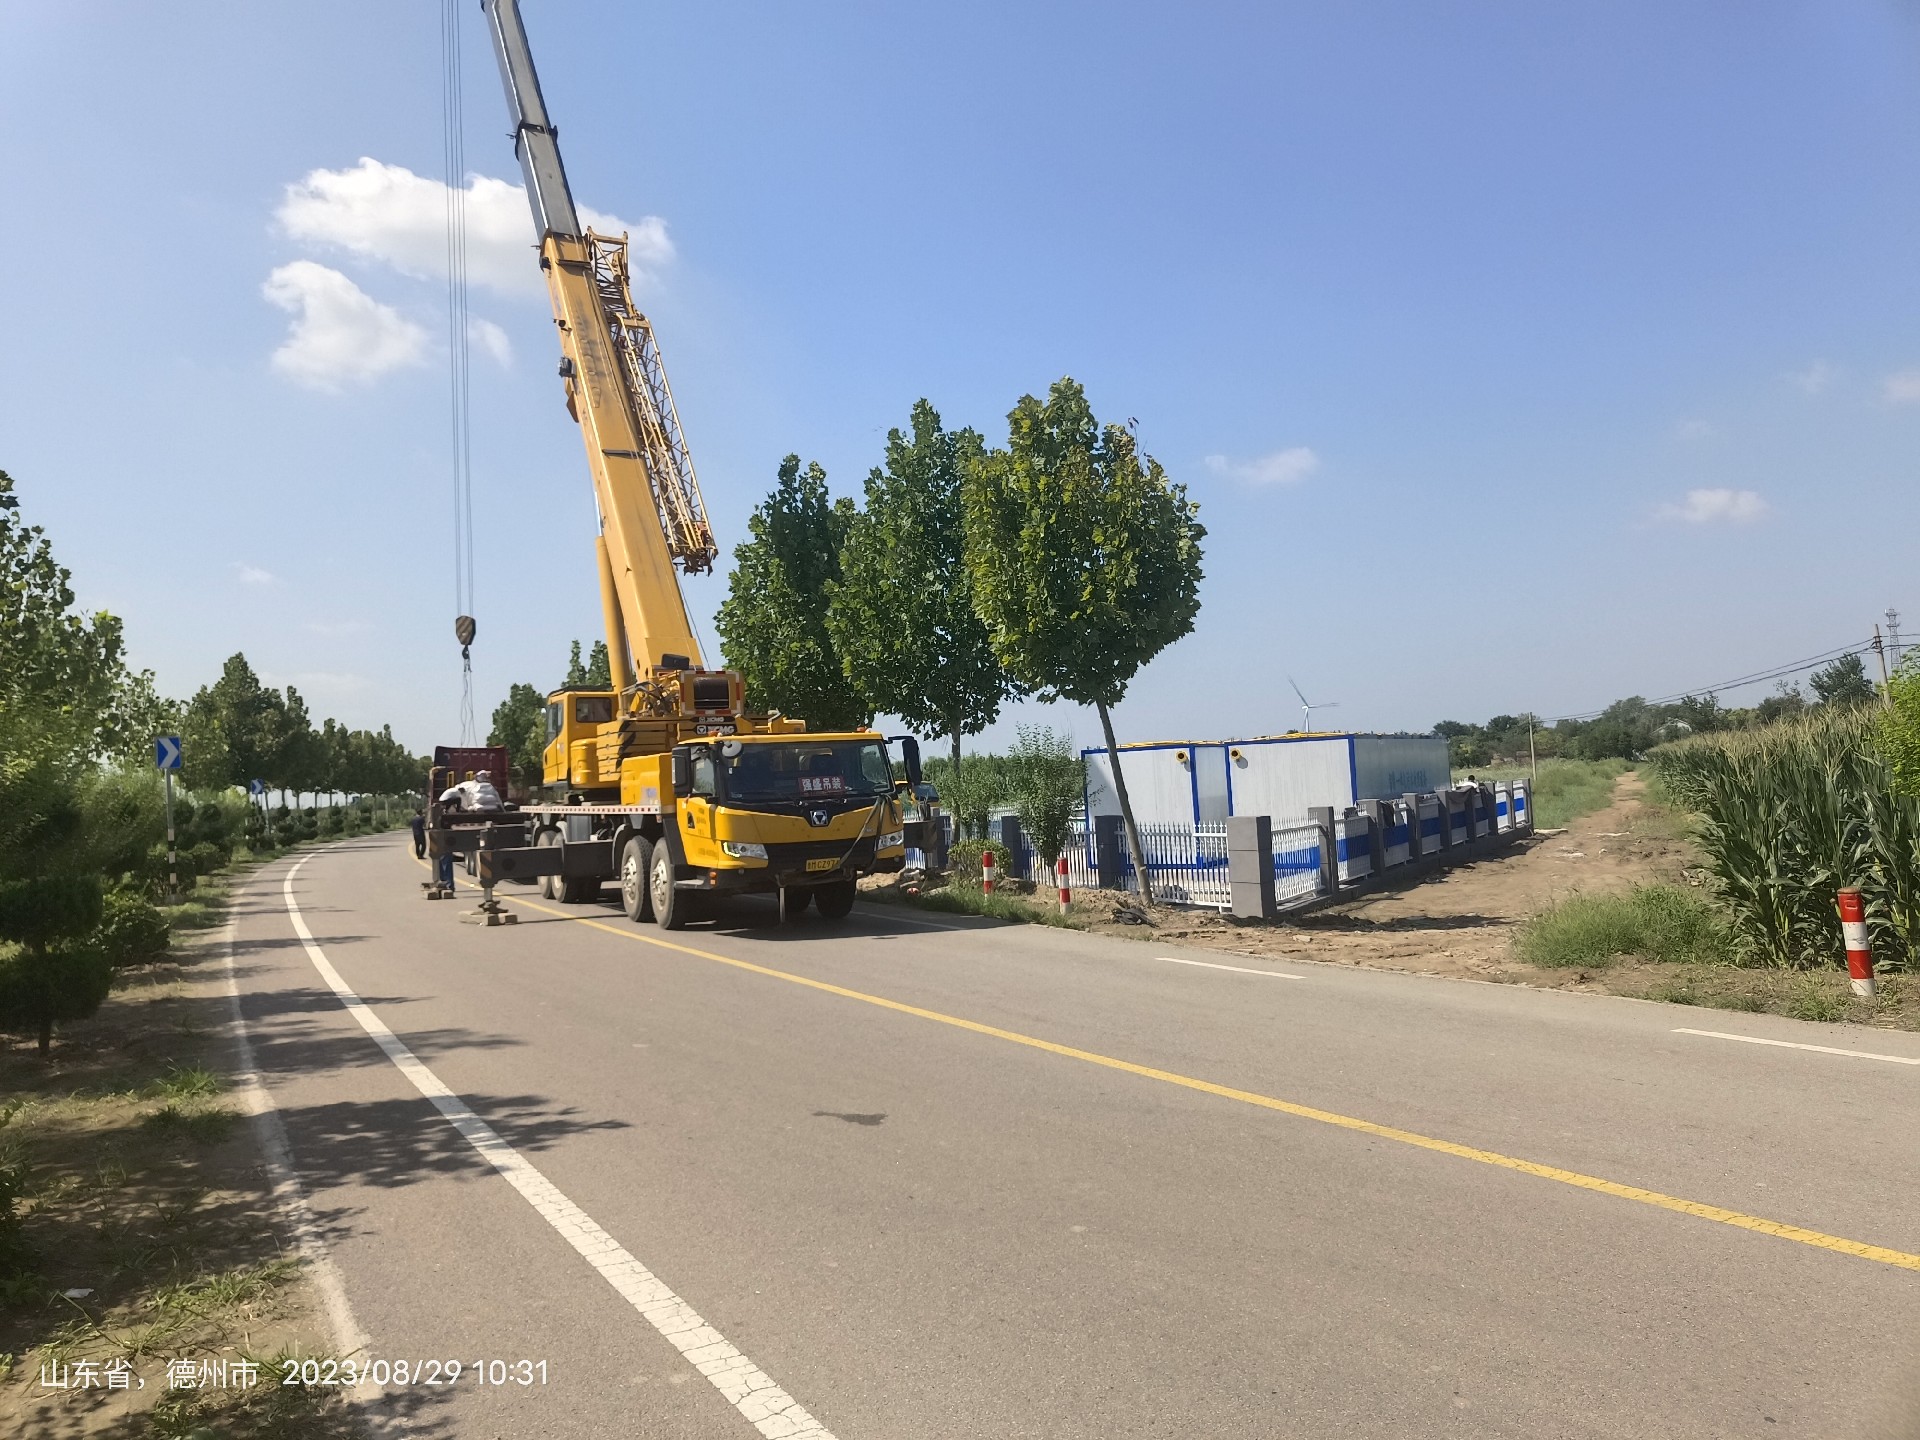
(1201, 783)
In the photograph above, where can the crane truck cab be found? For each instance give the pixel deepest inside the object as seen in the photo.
(753, 806)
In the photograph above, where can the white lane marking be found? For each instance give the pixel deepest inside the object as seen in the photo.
(772, 1411)
(1237, 969)
(286, 1191)
(1796, 1045)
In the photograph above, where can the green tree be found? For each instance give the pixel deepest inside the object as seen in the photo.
(593, 673)
(773, 623)
(60, 672)
(57, 974)
(1897, 728)
(1843, 684)
(297, 755)
(60, 675)
(901, 615)
(238, 727)
(972, 790)
(1047, 781)
(1085, 561)
(520, 724)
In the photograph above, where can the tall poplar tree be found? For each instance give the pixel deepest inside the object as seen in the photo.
(1085, 561)
(773, 623)
(902, 613)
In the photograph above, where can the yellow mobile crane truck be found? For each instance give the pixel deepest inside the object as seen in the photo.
(666, 780)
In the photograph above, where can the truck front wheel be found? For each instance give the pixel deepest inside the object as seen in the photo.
(834, 901)
(670, 905)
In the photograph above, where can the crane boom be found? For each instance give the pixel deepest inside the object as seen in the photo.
(652, 516)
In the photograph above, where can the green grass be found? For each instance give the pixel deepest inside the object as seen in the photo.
(188, 1082)
(960, 898)
(1656, 922)
(1810, 1002)
(205, 1126)
(1566, 789)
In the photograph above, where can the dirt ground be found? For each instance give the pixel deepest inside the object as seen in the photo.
(153, 1236)
(1460, 923)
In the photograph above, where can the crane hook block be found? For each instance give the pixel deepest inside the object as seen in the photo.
(464, 630)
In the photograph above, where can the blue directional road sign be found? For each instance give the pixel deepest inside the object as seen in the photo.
(166, 752)
(256, 787)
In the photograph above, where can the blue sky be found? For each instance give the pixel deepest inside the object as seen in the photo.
(1519, 357)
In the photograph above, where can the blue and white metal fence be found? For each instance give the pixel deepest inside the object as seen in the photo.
(1188, 863)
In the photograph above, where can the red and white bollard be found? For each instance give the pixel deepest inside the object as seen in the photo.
(986, 872)
(1853, 925)
(1060, 879)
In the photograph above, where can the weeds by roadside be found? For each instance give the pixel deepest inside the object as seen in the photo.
(957, 897)
(1656, 922)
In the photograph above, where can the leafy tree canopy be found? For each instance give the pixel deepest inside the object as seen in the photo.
(773, 623)
(901, 615)
(1844, 683)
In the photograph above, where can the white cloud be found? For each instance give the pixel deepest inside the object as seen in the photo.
(252, 574)
(1815, 378)
(1281, 467)
(492, 339)
(340, 333)
(389, 214)
(1902, 387)
(1708, 507)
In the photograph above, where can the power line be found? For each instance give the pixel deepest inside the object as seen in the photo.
(1779, 672)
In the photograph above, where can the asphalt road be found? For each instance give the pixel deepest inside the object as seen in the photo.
(941, 1180)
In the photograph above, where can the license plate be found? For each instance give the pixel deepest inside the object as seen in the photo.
(827, 864)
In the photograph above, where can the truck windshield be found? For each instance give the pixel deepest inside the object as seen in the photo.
(822, 770)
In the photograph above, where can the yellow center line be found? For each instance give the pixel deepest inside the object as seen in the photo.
(1698, 1210)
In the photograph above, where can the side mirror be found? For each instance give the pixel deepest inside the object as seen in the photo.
(682, 770)
(910, 758)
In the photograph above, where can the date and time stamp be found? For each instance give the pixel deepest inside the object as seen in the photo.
(348, 1374)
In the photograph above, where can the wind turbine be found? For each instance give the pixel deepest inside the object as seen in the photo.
(1307, 707)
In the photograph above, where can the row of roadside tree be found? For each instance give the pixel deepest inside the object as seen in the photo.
(82, 837)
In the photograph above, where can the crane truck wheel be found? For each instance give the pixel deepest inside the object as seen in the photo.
(671, 908)
(835, 901)
(549, 884)
(636, 877)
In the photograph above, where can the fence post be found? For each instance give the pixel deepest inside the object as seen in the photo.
(1379, 815)
(1321, 816)
(1106, 851)
(1250, 866)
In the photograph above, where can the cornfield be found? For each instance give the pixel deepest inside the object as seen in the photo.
(1787, 816)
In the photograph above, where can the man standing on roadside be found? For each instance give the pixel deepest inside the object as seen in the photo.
(419, 833)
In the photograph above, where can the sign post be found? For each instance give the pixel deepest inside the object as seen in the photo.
(259, 788)
(166, 755)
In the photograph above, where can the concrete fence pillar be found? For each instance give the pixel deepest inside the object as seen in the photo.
(1379, 816)
(1250, 866)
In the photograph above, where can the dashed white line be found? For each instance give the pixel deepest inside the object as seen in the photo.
(1796, 1045)
(773, 1412)
(1237, 969)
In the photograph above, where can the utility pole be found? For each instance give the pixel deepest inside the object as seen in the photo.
(1886, 686)
(1533, 761)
